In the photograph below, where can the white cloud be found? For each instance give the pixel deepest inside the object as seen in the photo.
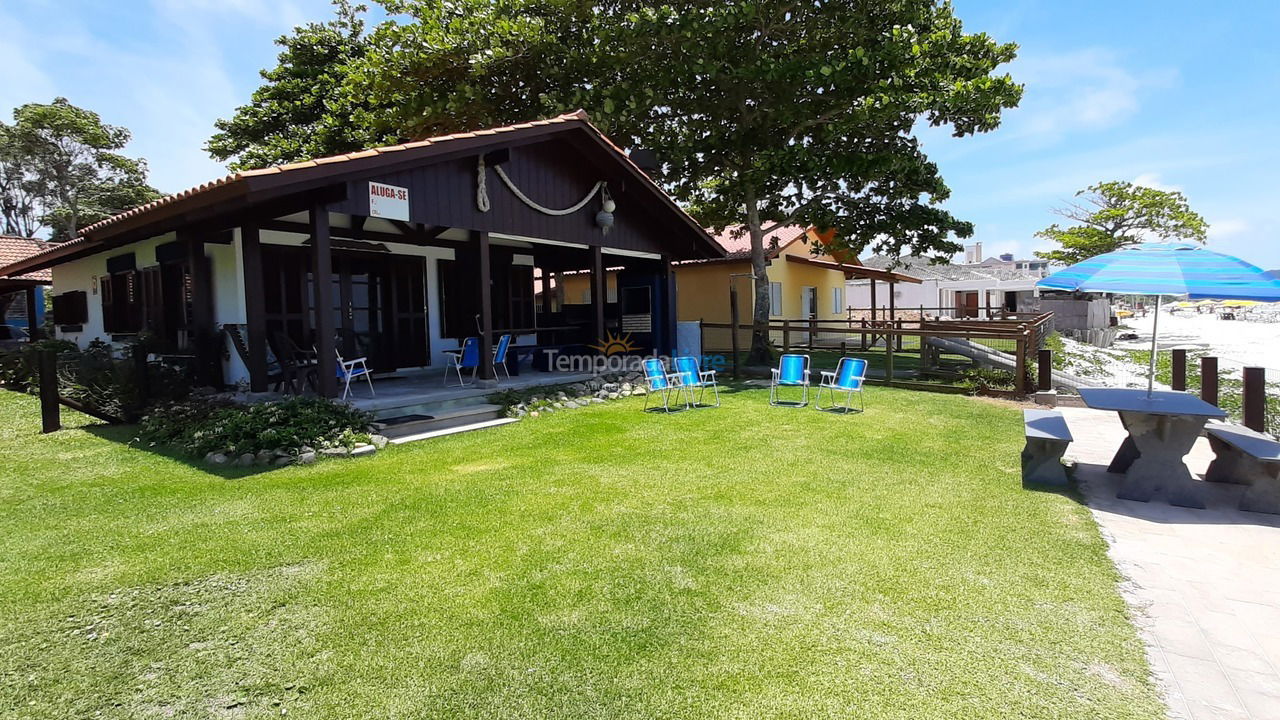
(1227, 228)
(1081, 90)
(1152, 180)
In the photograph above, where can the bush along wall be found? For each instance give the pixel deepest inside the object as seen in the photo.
(276, 433)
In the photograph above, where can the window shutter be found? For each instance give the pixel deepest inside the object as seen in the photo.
(775, 298)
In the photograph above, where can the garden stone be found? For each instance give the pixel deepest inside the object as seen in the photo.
(625, 393)
(217, 458)
(246, 460)
(335, 452)
(307, 458)
(571, 405)
(626, 387)
(533, 414)
(613, 396)
(282, 461)
(263, 457)
(597, 400)
(363, 449)
(306, 449)
(638, 390)
(379, 441)
(610, 387)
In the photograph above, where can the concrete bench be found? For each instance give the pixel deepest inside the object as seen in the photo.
(1248, 458)
(1047, 440)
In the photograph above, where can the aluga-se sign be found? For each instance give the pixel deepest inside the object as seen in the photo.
(388, 201)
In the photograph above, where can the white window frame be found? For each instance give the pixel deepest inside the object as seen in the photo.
(837, 300)
(775, 298)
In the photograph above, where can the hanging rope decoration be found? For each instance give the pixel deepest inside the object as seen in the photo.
(604, 218)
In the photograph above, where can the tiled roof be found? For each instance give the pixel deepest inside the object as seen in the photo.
(14, 248)
(84, 236)
(921, 267)
(737, 242)
(329, 160)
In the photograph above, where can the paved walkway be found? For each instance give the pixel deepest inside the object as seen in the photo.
(1204, 584)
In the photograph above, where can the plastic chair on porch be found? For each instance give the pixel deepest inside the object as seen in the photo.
(792, 371)
(467, 356)
(500, 355)
(354, 368)
(848, 378)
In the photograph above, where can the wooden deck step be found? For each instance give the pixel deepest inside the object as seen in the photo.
(400, 440)
(418, 426)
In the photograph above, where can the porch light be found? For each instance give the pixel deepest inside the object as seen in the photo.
(604, 218)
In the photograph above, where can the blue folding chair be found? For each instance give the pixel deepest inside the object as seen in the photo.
(468, 356)
(693, 376)
(500, 355)
(848, 377)
(792, 371)
(660, 381)
(349, 369)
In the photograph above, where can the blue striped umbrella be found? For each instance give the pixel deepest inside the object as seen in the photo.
(1166, 269)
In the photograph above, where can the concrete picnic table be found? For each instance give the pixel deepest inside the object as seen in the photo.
(1162, 427)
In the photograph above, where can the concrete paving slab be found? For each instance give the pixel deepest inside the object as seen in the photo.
(1204, 585)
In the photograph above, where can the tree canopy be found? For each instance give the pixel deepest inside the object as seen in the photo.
(1111, 215)
(59, 170)
(302, 110)
(763, 113)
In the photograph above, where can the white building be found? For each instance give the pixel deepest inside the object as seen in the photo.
(969, 290)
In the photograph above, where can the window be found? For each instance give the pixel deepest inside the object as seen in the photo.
(121, 306)
(837, 300)
(71, 308)
(775, 298)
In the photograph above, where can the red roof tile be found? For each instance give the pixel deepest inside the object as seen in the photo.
(14, 248)
(737, 242)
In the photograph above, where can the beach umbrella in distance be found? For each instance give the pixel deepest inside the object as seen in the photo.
(1163, 270)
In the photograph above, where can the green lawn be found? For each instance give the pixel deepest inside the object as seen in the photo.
(745, 562)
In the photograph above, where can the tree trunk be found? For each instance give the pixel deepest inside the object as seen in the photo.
(760, 353)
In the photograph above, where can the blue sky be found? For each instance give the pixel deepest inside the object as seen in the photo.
(1171, 94)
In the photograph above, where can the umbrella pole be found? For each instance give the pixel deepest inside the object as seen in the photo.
(1151, 368)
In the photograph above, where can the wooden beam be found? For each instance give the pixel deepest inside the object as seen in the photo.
(424, 239)
(255, 307)
(322, 274)
(599, 289)
(481, 241)
(546, 290)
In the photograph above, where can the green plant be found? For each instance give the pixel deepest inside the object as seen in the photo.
(978, 380)
(201, 426)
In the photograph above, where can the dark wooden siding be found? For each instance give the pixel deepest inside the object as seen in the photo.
(556, 174)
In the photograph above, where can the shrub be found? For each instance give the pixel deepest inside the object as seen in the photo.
(978, 380)
(201, 426)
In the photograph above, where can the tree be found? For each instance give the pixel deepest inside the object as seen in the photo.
(764, 112)
(301, 111)
(773, 113)
(59, 169)
(1112, 215)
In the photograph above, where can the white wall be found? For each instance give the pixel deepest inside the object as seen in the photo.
(83, 274)
(907, 295)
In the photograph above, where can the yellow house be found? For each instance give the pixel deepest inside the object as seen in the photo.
(802, 285)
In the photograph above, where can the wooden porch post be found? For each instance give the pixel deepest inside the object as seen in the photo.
(599, 285)
(486, 306)
(673, 315)
(33, 330)
(255, 307)
(873, 301)
(322, 276)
